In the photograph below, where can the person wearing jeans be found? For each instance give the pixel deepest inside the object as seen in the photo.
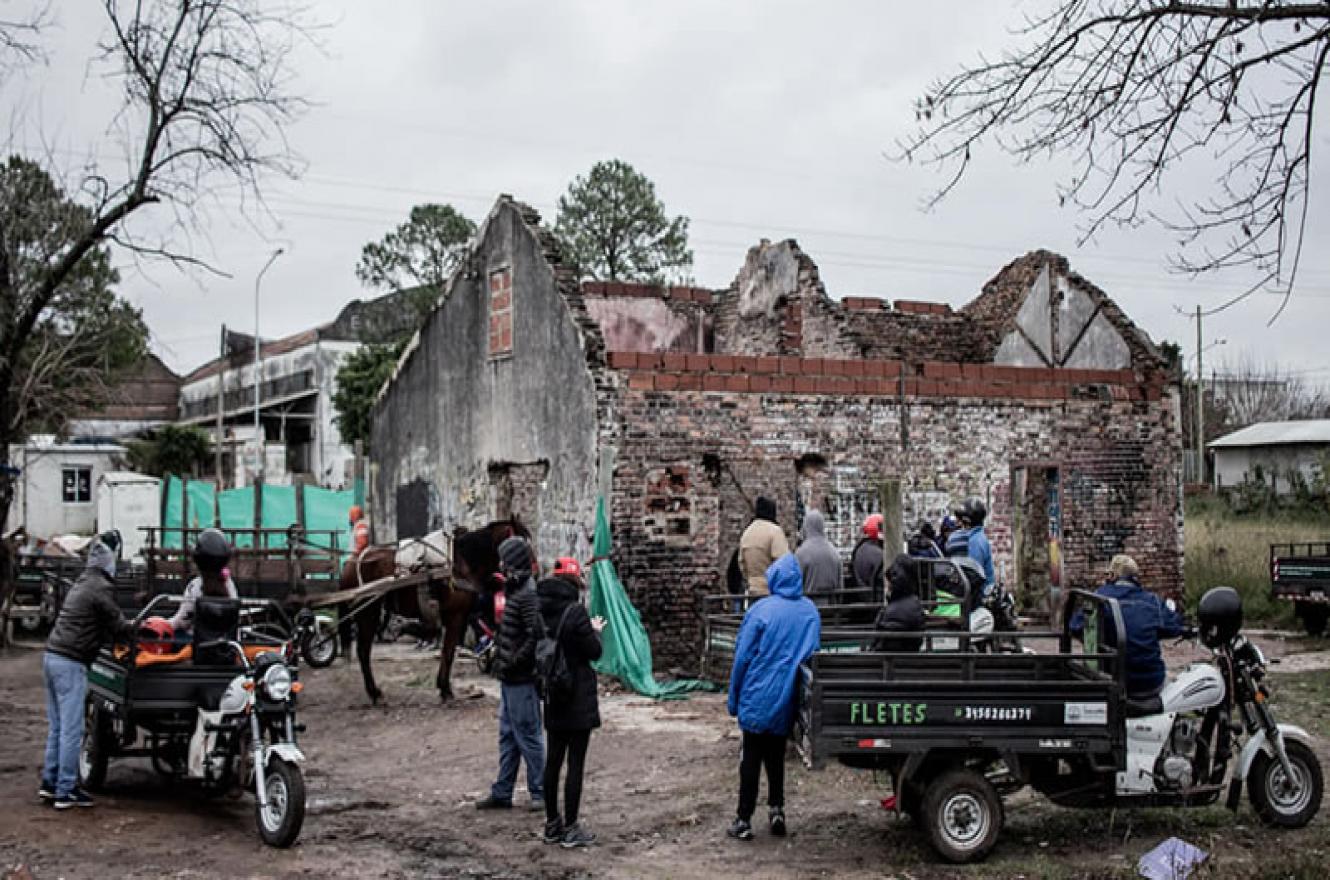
(572, 714)
(515, 664)
(776, 636)
(88, 618)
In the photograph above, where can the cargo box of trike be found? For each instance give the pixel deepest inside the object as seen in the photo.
(1300, 573)
(1058, 696)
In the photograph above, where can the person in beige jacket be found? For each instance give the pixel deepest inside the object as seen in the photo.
(761, 544)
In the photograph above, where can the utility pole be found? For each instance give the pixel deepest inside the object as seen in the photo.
(259, 440)
(1200, 404)
(221, 407)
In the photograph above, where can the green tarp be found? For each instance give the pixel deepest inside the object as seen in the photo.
(626, 650)
(235, 508)
(326, 510)
(278, 505)
(202, 511)
(173, 516)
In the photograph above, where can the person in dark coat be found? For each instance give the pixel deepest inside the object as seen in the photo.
(89, 618)
(569, 720)
(515, 666)
(903, 612)
(866, 560)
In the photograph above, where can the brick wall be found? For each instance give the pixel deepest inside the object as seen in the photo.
(727, 428)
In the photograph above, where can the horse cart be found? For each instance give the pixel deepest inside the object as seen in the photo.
(218, 712)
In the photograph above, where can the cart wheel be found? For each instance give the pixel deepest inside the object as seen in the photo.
(94, 756)
(1279, 800)
(963, 815)
(279, 822)
(1314, 618)
(319, 649)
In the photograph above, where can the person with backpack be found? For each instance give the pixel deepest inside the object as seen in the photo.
(572, 711)
(515, 666)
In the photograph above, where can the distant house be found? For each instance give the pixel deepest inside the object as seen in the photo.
(147, 398)
(295, 400)
(1272, 452)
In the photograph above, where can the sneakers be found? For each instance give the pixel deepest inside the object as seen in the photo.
(492, 803)
(553, 831)
(76, 798)
(46, 792)
(575, 835)
(740, 830)
(777, 819)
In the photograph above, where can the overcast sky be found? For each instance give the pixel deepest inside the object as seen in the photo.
(754, 119)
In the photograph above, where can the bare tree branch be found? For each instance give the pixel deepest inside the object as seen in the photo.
(1132, 89)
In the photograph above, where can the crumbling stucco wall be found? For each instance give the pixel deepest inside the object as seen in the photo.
(460, 437)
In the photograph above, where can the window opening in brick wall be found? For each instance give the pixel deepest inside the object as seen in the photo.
(668, 505)
(501, 314)
(76, 485)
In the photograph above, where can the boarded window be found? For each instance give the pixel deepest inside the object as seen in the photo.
(501, 313)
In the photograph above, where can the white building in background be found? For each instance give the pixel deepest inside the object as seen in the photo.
(56, 485)
(299, 378)
(1272, 452)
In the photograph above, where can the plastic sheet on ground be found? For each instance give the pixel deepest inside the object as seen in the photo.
(1173, 859)
(626, 650)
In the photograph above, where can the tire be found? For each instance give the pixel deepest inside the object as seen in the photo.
(962, 814)
(279, 824)
(94, 751)
(1277, 806)
(319, 649)
(1314, 619)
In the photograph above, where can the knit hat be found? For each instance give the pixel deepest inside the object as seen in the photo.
(515, 554)
(102, 558)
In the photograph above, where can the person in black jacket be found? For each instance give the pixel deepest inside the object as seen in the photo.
(569, 718)
(88, 618)
(903, 612)
(515, 666)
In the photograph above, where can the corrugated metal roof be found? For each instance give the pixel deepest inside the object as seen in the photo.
(1277, 433)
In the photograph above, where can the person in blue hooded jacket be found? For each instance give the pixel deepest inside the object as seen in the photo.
(776, 636)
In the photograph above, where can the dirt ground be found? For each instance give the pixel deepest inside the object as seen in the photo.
(391, 791)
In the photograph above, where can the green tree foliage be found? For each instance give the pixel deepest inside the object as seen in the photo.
(358, 383)
(418, 255)
(83, 338)
(171, 449)
(612, 227)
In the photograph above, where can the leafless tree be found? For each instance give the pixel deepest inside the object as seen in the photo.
(20, 37)
(1245, 391)
(1130, 90)
(206, 96)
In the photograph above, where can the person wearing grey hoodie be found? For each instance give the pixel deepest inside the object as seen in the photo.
(88, 619)
(818, 560)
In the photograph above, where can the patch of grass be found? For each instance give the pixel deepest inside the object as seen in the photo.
(1225, 549)
(1303, 698)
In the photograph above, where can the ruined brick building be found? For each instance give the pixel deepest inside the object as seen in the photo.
(529, 393)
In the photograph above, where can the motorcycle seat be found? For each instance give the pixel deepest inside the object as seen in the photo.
(1142, 707)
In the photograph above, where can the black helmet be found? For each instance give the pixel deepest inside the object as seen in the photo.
(211, 551)
(973, 511)
(1220, 616)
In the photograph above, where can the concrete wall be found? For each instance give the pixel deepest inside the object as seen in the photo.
(1239, 464)
(460, 438)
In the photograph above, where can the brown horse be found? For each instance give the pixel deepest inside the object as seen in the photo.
(475, 562)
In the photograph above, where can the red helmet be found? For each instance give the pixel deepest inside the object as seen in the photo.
(355, 514)
(156, 636)
(873, 526)
(567, 566)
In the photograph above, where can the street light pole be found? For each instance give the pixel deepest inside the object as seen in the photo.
(258, 365)
(1200, 403)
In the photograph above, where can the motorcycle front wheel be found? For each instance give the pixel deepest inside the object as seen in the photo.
(319, 648)
(1282, 801)
(279, 822)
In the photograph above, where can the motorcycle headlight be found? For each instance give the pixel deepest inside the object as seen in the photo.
(277, 682)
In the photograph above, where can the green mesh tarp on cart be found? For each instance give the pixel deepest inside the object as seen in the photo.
(173, 516)
(235, 510)
(202, 509)
(625, 648)
(278, 510)
(326, 511)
